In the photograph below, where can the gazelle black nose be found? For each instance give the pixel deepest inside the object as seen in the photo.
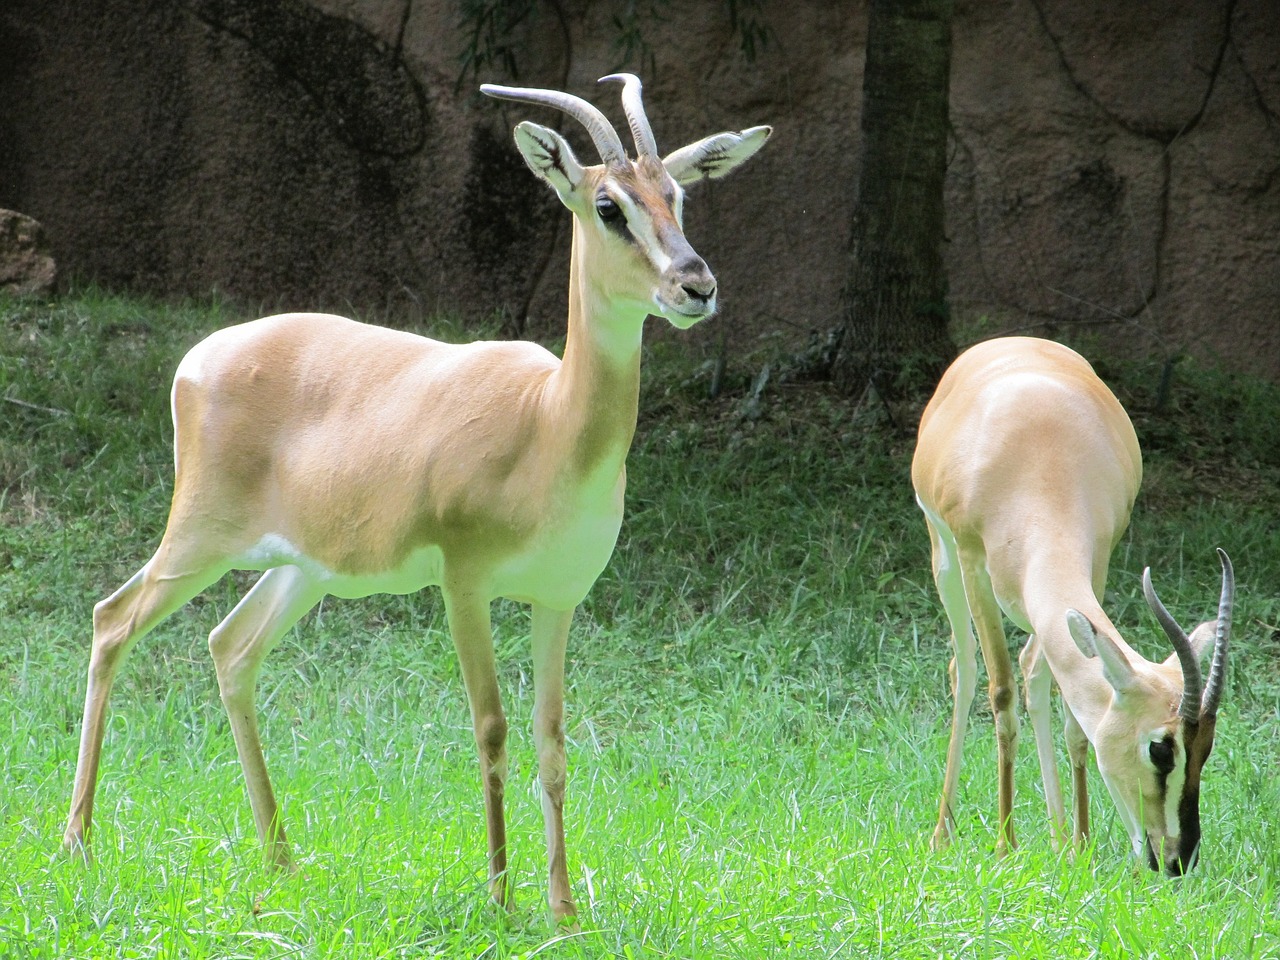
(703, 291)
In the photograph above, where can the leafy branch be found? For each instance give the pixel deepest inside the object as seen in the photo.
(490, 27)
(493, 45)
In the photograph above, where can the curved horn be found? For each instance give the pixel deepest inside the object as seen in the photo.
(1218, 668)
(602, 133)
(1189, 708)
(641, 132)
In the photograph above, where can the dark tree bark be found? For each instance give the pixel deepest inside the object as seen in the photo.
(893, 333)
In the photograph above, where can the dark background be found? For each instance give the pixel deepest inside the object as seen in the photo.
(1112, 164)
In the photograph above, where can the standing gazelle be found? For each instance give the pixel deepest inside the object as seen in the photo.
(1026, 469)
(348, 459)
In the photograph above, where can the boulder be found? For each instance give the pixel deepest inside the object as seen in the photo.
(26, 266)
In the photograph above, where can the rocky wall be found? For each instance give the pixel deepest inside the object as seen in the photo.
(1114, 165)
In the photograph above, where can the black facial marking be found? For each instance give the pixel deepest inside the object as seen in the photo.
(1188, 832)
(612, 216)
(1198, 743)
(1161, 753)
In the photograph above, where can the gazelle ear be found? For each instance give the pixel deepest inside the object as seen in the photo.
(550, 157)
(715, 156)
(1202, 640)
(1092, 643)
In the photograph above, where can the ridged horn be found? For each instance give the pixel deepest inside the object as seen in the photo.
(633, 104)
(1218, 668)
(606, 139)
(1189, 708)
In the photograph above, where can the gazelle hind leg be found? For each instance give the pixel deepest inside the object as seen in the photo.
(963, 671)
(550, 634)
(119, 622)
(238, 645)
(1037, 682)
(1002, 687)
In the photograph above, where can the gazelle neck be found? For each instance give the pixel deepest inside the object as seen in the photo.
(596, 389)
(1052, 589)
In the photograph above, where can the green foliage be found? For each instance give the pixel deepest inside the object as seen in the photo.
(494, 42)
(631, 44)
(746, 18)
(757, 706)
(491, 45)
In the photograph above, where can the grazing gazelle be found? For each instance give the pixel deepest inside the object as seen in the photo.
(1026, 469)
(348, 459)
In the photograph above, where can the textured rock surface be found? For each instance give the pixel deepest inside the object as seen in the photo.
(26, 267)
(1115, 164)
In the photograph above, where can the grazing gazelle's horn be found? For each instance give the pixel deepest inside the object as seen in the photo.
(602, 133)
(641, 132)
(1189, 708)
(1218, 668)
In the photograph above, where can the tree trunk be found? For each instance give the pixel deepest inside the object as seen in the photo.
(893, 333)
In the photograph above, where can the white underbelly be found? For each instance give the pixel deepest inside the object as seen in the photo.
(422, 568)
(556, 568)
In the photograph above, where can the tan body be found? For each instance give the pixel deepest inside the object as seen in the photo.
(348, 459)
(1026, 469)
(394, 479)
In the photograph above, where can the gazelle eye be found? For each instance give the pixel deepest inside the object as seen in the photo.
(1161, 753)
(607, 209)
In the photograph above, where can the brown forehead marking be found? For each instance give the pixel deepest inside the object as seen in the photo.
(646, 183)
(1197, 740)
(652, 198)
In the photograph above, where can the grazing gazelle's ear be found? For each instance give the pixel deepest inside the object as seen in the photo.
(1093, 643)
(715, 156)
(550, 157)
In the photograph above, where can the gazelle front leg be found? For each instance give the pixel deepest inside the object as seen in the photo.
(550, 635)
(472, 632)
(1078, 751)
(1037, 680)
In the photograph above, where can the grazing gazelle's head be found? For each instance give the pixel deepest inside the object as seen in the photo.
(628, 231)
(1154, 740)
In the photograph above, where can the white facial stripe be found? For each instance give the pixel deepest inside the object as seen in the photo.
(1174, 784)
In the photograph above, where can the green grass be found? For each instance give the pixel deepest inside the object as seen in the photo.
(757, 703)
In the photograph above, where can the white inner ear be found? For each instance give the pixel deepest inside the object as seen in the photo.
(1203, 638)
(1082, 633)
(550, 157)
(715, 156)
(1116, 668)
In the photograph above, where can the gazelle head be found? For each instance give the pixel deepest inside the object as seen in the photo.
(1153, 741)
(628, 213)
